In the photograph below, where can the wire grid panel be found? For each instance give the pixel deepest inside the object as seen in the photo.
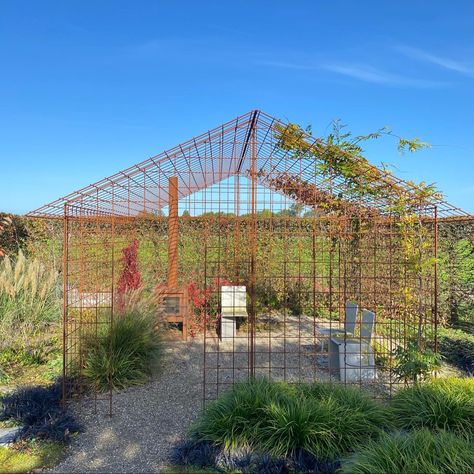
(304, 274)
(300, 267)
(92, 263)
(249, 216)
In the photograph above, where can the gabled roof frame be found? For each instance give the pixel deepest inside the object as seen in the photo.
(201, 162)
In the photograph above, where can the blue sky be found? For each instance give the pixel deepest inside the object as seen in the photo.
(90, 87)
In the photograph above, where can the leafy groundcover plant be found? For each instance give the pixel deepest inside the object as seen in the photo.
(443, 404)
(40, 412)
(419, 451)
(205, 457)
(123, 355)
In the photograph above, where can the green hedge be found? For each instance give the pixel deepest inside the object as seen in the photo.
(457, 347)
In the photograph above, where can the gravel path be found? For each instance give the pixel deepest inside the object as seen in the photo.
(147, 420)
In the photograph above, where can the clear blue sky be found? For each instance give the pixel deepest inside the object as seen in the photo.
(90, 87)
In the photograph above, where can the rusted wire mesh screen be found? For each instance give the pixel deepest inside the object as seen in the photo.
(252, 231)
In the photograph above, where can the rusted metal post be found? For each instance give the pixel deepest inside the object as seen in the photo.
(173, 233)
(65, 300)
(435, 309)
(253, 249)
(112, 311)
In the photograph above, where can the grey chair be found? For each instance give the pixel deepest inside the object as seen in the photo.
(350, 318)
(353, 357)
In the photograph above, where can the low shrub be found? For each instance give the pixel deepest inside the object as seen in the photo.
(443, 404)
(124, 354)
(39, 363)
(322, 420)
(298, 297)
(352, 398)
(457, 347)
(416, 362)
(40, 412)
(307, 463)
(37, 351)
(266, 296)
(419, 451)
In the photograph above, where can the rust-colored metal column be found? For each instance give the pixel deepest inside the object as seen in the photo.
(253, 251)
(65, 300)
(173, 233)
(435, 289)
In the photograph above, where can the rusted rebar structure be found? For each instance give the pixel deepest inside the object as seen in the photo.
(248, 214)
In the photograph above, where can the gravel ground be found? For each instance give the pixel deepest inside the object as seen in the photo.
(149, 419)
(146, 421)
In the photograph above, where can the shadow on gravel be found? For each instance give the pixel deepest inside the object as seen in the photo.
(147, 420)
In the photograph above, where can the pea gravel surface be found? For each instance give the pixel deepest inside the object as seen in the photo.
(146, 421)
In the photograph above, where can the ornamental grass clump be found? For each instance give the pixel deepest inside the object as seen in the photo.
(123, 354)
(235, 418)
(29, 302)
(419, 451)
(442, 404)
(284, 420)
(322, 419)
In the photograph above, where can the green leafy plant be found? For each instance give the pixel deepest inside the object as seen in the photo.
(281, 419)
(298, 297)
(414, 364)
(443, 404)
(457, 347)
(420, 451)
(341, 154)
(266, 295)
(456, 274)
(124, 354)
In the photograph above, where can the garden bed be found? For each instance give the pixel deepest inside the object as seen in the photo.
(147, 420)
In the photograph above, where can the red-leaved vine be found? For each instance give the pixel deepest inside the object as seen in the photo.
(130, 279)
(203, 302)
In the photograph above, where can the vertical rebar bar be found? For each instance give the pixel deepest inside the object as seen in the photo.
(173, 233)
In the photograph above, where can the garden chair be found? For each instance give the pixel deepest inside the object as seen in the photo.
(350, 319)
(353, 357)
(233, 305)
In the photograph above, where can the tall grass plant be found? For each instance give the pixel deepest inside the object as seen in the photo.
(124, 353)
(29, 302)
